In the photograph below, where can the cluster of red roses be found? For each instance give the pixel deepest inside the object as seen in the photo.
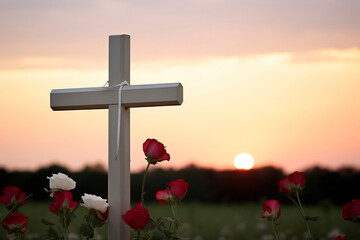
(176, 191)
(138, 217)
(64, 207)
(14, 222)
(293, 186)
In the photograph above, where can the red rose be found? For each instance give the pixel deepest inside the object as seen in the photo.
(12, 196)
(102, 216)
(339, 237)
(16, 223)
(163, 196)
(63, 202)
(155, 151)
(351, 211)
(295, 182)
(137, 217)
(271, 210)
(178, 188)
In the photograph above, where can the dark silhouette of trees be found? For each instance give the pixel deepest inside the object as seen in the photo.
(206, 185)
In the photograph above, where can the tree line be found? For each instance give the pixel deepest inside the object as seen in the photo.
(206, 185)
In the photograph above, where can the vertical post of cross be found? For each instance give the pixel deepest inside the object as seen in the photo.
(119, 168)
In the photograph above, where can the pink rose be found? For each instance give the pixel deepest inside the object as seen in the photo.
(178, 188)
(163, 196)
(351, 211)
(339, 237)
(155, 151)
(271, 210)
(137, 217)
(12, 196)
(63, 201)
(295, 182)
(16, 223)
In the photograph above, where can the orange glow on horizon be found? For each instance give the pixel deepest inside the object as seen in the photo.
(287, 111)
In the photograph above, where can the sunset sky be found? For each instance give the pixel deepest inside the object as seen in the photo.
(277, 79)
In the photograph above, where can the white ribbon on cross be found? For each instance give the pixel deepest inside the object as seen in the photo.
(121, 85)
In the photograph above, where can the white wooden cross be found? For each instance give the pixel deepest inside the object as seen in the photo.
(108, 98)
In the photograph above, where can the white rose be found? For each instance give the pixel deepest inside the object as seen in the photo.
(94, 202)
(61, 181)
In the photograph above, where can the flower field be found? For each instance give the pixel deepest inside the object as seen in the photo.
(214, 221)
(192, 221)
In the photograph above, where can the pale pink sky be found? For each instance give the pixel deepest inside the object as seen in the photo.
(277, 79)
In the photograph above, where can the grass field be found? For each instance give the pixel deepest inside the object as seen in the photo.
(215, 221)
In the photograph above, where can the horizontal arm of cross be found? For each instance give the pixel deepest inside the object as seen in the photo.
(132, 96)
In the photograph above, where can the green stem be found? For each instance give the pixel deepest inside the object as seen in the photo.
(173, 210)
(299, 202)
(59, 226)
(303, 214)
(143, 184)
(18, 235)
(274, 229)
(65, 229)
(14, 208)
(173, 206)
(297, 205)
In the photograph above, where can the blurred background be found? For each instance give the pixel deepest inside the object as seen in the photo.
(276, 79)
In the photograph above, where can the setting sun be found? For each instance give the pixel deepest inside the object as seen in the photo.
(244, 161)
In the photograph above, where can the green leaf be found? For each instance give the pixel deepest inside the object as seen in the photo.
(87, 231)
(160, 222)
(158, 235)
(151, 224)
(169, 234)
(95, 222)
(47, 223)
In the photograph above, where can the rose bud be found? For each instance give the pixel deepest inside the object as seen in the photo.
(61, 181)
(351, 211)
(96, 204)
(271, 210)
(339, 237)
(12, 197)
(155, 151)
(137, 217)
(178, 188)
(163, 196)
(295, 182)
(63, 203)
(16, 223)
